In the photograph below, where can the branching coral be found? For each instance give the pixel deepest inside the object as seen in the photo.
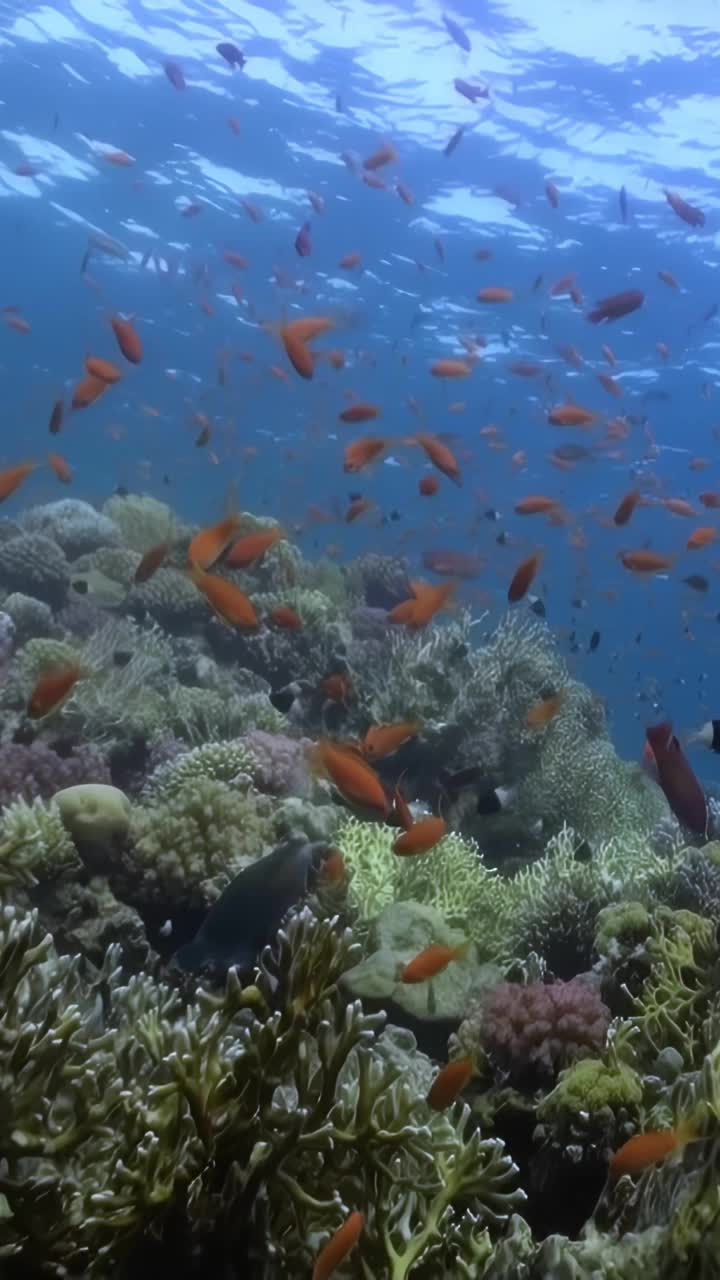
(250, 1122)
(230, 762)
(34, 844)
(532, 1032)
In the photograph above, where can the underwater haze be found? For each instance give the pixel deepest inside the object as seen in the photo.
(595, 98)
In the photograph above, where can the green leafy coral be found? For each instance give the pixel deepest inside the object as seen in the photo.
(251, 1121)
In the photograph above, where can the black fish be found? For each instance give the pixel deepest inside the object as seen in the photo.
(697, 581)
(455, 141)
(594, 641)
(622, 197)
(230, 52)
(456, 33)
(248, 913)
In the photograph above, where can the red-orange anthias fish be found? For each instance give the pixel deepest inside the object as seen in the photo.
(61, 469)
(52, 690)
(128, 339)
(338, 1247)
(537, 504)
(616, 306)
(87, 391)
(495, 294)
(286, 617)
(679, 507)
(153, 558)
(357, 508)
(543, 712)
(645, 1149)
(229, 603)
(426, 602)
(351, 775)
(523, 577)
(252, 547)
(349, 261)
(449, 1083)
(440, 456)
(682, 789)
(338, 686)
(450, 369)
(208, 545)
(428, 486)
(360, 412)
(385, 739)
(12, 477)
(97, 367)
(688, 212)
(626, 506)
(701, 537)
(386, 154)
(360, 453)
(295, 337)
(646, 561)
(432, 961)
(571, 415)
(333, 869)
(423, 836)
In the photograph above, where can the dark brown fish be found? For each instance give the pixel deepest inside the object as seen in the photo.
(682, 789)
(616, 305)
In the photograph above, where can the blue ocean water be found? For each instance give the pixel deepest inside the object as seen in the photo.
(592, 95)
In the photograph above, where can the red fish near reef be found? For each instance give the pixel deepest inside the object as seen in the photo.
(338, 1247)
(682, 789)
(616, 305)
(449, 1083)
(440, 456)
(52, 690)
(688, 212)
(645, 1149)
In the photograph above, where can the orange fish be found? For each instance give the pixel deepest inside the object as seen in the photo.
(250, 548)
(52, 690)
(611, 385)
(96, 367)
(60, 468)
(338, 1247)
(449, 1083)
(336, 359)
(56, 417)
(524, 577)
(362, 452)
(710, 499)
(128, 339)
(234, 124)
(208, 545)
(386, 154)
(563, 285)
(401, 815)
(350, 260)
(359, 412)
(668, 278)
(645, 561)
(609, 355)
(440, 456)
(495, 293)
(333, 868)
(283, 616)
(229, 603)
(426, 602)
(119, 158)
(357, 508)
(153, 558)
(422, 836)
(296, 335)
(571, 415)
(12, 477)
(234, 259)
(384, 739)
(351, 775)
(679, 507)
(645, 1149)
(428, 486)
(626, 506)
(701, 537)
(543, 712)
(405, 193)
(18, 324)
(432, 961)
(663, 350)
(87, 391)
(450, 369)
(536, 505)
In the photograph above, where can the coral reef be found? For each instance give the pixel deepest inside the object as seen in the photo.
(537, 1029)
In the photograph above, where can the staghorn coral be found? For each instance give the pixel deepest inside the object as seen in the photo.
(34, 844)
(186, 847)
(529, 1033)
(230, 762)
(35, 565)
(452, 877)
(248, 1122)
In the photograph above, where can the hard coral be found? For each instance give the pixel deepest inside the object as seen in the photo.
(230, 762)
(37, 770)
(240, 1127)
(530, 1033)
(35, 564)
(74, 525)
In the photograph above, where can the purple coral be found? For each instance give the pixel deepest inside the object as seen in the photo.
(537, 1030)
(282, 762)
(27, 772)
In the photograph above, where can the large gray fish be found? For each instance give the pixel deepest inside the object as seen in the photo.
(248, 913)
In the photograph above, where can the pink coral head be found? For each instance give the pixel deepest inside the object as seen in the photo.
(531, 1032)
